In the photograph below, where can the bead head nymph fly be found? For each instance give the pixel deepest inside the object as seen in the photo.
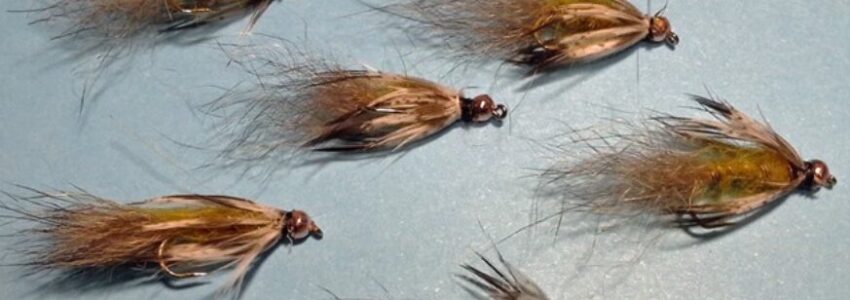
(178, 236)
(710, 171)
(481, 109)
(540, 34)
(307, 104)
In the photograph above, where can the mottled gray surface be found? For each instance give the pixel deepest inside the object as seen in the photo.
(405, 222)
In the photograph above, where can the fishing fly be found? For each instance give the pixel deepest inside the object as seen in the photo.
(707, 172)
(179, 235)
(110, 19)
(108, 30)
(539, 33)
(316, 105)
(507, 284)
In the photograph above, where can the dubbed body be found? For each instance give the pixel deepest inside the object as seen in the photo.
(708, 174)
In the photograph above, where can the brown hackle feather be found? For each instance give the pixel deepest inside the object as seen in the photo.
(123, 19)
(179, 235)
(299, 103)
(538, 33)
(104, 33)
(506, 283)
(700, 172)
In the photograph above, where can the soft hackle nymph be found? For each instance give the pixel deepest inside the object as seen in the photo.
(503, 284)
(708, 172)
(122, 19)
(538, 33)
(179, 235)
(300, 103)
(106, 31)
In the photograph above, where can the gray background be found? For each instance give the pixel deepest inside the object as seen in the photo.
(405, 222)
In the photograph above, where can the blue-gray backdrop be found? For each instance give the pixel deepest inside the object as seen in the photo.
(404, 222)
